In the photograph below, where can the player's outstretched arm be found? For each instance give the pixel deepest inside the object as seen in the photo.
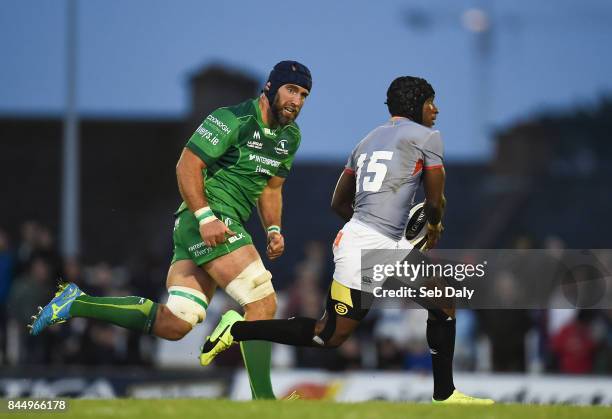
(344, 195)
(435, 202)
(190, 183)
(270, 208)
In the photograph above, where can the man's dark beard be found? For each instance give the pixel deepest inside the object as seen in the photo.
(277, 113)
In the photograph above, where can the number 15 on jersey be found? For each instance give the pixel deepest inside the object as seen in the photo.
(375, 170)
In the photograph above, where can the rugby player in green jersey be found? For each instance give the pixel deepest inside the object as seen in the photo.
(238, 158)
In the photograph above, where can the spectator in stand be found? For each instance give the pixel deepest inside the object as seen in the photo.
(574, 345)
(71, 271)
(304, 293)
(507, 328)
(102, 344)
(6, 266)
(37, 242)
(27, 246)
(603, 363)
(553, 319)
(30, 290)
(45, 248)
(6, 276)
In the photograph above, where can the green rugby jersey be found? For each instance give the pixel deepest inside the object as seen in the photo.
(241, 154)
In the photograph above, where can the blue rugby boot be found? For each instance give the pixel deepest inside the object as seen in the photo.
(58, 309)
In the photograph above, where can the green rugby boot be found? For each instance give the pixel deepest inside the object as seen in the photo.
(220, 339)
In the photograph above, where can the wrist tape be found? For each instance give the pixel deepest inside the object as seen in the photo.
(205, 215)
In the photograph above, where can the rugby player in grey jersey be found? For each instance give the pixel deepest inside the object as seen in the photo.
(374, 195)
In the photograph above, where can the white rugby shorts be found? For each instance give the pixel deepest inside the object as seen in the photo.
(347, 247)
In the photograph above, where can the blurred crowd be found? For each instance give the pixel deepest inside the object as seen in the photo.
(30, 269)
(567, 341)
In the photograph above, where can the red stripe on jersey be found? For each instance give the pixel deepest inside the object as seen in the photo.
(437, 166)
(349, 171)
(418, 167)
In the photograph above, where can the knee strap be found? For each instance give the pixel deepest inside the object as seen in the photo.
(187, 304)
(252, 284)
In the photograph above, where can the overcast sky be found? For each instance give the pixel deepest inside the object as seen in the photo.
(135, 57)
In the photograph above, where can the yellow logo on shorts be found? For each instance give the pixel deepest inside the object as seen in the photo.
(341, 309)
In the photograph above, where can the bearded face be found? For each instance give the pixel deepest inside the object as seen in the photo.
(288, 103)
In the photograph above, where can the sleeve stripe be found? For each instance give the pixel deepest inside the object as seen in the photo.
(349, 171)
(437, 166)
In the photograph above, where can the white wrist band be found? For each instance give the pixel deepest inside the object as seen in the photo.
(205, 215)
(273, 229)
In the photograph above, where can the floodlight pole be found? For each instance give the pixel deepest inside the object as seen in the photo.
(479, 22)
(70, 214)
(482, 80)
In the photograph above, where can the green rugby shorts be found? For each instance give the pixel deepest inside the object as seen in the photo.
(188, 244)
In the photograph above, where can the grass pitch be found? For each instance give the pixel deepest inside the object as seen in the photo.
(224, 409)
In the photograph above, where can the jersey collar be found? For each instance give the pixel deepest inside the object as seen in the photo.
(258, 113)
(261, 121)
(399, 120)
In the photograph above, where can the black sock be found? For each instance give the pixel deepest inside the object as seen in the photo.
(296, 331)
(441, 341)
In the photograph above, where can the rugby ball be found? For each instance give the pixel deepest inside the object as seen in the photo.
(416, 231)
